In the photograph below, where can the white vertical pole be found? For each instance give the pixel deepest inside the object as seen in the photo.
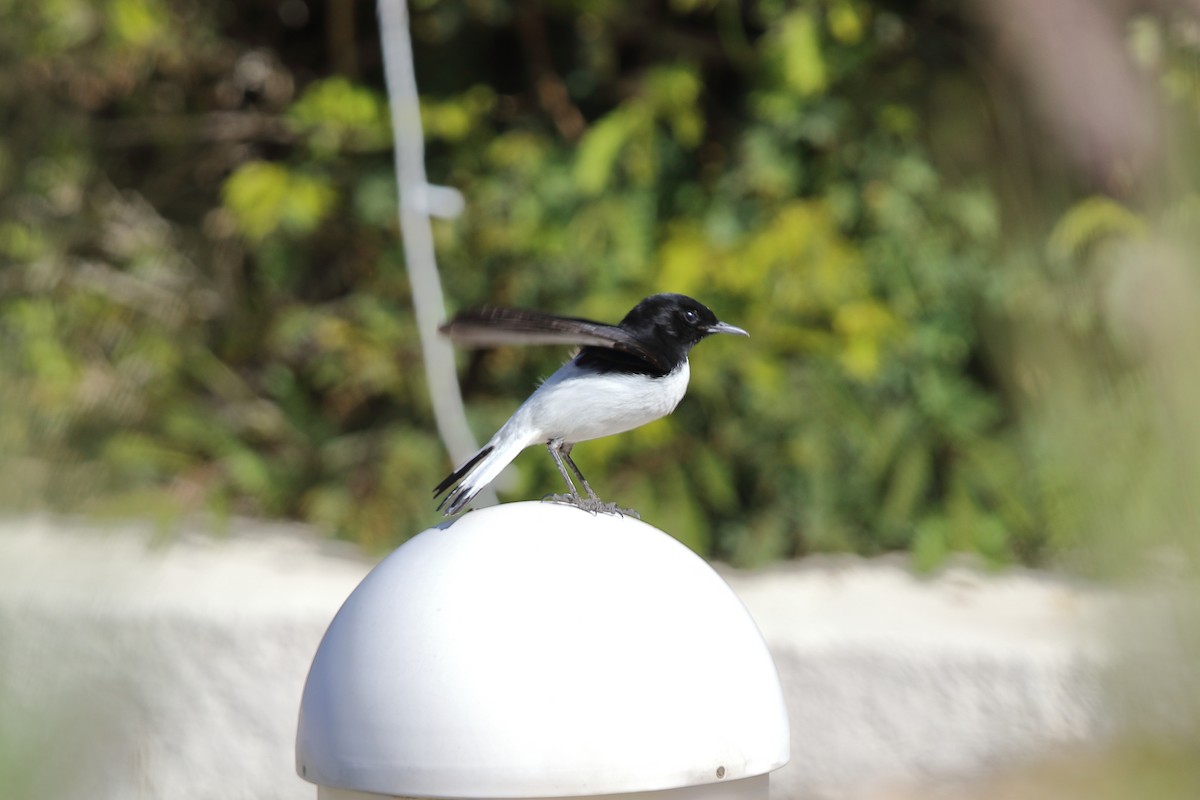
(417, 201)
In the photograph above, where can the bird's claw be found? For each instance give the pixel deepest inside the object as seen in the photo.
(563, 499)
(593, 505)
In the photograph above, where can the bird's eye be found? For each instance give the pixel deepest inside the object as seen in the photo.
(691, 316)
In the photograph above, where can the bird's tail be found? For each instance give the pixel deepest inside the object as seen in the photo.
(482, 468)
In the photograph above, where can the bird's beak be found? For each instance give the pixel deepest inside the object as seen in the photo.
(725, 327)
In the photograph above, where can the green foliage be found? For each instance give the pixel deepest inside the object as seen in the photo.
(795, 46)
(1087, 223)
(335, 115)
(218, 312)
(629, 140)
(850, 424)
(265, 197)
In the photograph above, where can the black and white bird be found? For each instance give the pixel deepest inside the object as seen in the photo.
(624, 376)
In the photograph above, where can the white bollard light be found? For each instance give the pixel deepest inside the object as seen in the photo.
(534, 650)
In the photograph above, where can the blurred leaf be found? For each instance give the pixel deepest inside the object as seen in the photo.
(930, 546)
(863, 326)
(136, 22)
(796, 45)
(454, 119)
(265, 197)
(674, 91)
(628, 140)
(1089, 221)
(845, 20)
(598, 152)
(334, 114)
(910, 482)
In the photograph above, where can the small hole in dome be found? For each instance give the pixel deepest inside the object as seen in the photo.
(720, 772)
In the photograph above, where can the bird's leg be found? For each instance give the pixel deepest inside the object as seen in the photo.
(566, 454)
(594, 504)
(555, 448)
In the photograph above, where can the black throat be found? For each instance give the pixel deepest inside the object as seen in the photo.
(606, 361)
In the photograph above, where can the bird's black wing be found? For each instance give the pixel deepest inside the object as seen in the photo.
(489, 327)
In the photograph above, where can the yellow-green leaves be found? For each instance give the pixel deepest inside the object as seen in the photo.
(266, 197)
(846, 21)
(1087, 223)
(863, 326)
(603, 145)
(335, 114)
(627, 140)
(33, 323)
(20, 242)
(136, 22)
(455, 118)
(818, 283)
(672, 94)
(780, 161)
(795, 46)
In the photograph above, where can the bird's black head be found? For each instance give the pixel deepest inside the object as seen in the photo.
(671, 324)
(670, 317)
(666, 325)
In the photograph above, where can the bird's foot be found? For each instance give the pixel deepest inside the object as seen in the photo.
(593, 505)
(564, 499)
(600, 507)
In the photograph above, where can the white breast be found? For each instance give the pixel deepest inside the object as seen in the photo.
(575, 406)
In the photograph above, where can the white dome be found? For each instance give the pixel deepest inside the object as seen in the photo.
(536, 650)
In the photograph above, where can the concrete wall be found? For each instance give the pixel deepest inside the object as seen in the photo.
(137, 666)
